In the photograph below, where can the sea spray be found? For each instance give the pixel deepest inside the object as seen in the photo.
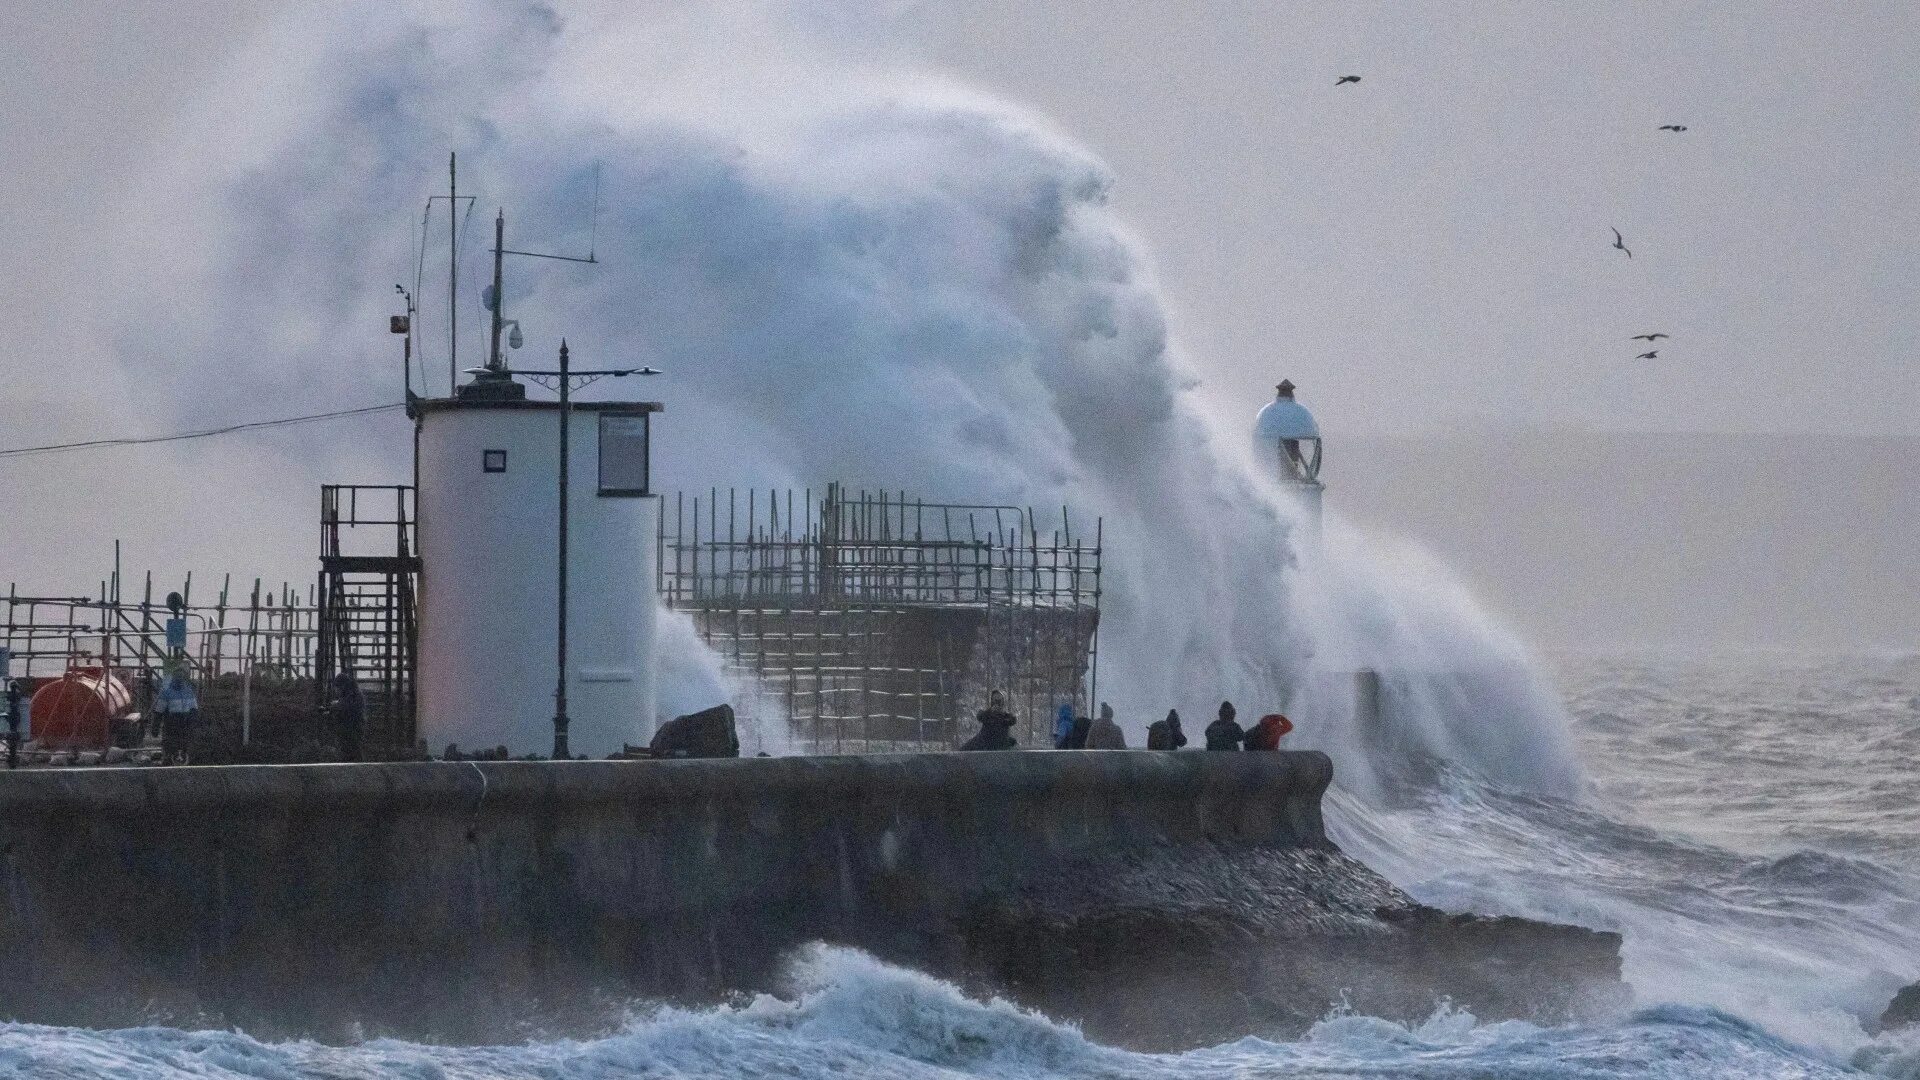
(1456, 692)
(871, 274)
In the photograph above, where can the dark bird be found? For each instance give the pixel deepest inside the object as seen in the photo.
(1345, 79)
(1653, 355)
(1673, 127)
(1620, 243)
(1648, 337)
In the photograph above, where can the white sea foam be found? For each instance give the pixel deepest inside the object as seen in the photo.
(855, 1017)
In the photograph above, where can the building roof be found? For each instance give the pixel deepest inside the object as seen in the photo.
(420, 406)
(1284, 418)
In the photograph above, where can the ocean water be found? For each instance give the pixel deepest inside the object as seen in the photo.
(1751, 830)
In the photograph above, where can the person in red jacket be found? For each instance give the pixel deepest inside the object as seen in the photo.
(1267, 733)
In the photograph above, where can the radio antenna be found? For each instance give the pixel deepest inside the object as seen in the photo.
(593, 228)
(454, 227)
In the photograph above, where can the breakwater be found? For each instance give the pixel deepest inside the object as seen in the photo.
(477, 901)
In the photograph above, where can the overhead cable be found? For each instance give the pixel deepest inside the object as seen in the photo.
(95, 444)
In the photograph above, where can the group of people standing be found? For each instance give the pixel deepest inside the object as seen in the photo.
(1072, 732)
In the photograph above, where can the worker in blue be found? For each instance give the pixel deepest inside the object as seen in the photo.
(1062, 726)
(178, 706)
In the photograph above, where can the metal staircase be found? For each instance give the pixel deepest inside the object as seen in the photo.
(368, 577)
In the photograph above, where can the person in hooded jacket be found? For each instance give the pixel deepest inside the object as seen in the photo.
(996, 726)
(1166, 734)
(1105, 734)
(1266, 734)
(1224, 733)
(1063, 727)
(1077, 734)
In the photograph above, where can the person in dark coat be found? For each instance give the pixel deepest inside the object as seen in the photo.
(1166, 734)
(349, 715)
(1224, 733)
(14, 716)
(996, 726)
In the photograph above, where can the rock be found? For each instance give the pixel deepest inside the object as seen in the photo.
(1904, 1009)
(708, 733)
(1198, 944)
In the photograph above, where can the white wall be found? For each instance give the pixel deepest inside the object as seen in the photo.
(488, 543)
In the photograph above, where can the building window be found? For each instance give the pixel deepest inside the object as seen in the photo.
(623, 454)
(493, 461)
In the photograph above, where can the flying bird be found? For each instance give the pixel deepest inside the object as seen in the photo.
(1345, 79)
(1620, 242)
(1652, 355)
(1673, 127)
(1648, 337)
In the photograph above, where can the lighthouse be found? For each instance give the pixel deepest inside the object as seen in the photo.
(1287, 443)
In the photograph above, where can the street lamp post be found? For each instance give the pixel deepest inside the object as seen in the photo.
(560, 750)
(563, 381)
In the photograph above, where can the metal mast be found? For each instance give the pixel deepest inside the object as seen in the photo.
(453, 271)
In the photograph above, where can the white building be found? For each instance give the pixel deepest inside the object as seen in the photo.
(487, 485)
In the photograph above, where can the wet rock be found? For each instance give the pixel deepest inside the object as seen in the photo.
(1199, 944)
(708, 733)
(1904, 1009)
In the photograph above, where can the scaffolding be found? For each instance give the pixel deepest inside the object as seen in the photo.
(367, 619)
(251, 657)
(875, 622)
(263, 664)
(269, 632)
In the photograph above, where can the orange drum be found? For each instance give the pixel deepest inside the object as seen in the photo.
(77, 710)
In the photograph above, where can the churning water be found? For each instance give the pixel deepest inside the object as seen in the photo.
(1753, 834)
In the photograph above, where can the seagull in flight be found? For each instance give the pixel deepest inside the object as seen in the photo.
(1345, 79)
(1651, 355)
(1648, 337)
(1673, 127)
(1621, 243)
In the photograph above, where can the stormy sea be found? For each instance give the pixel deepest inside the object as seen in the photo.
(1750, 829)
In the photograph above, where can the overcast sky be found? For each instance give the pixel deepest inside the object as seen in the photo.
(1425, 251)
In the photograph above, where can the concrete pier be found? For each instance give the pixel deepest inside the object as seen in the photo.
(280, 892)
(480, 901)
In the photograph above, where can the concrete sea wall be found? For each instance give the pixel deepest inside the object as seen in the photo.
(457, 900)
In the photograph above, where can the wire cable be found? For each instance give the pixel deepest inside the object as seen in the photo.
(95, 444)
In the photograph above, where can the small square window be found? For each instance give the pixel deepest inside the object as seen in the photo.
(493, 460)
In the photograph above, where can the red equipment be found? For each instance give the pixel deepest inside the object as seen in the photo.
(77, 710)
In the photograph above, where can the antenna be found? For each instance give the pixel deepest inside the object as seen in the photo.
(453, 198)
(593, 226)
(494, 297)
(453, 266)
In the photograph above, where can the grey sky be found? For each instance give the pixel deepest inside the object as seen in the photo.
(1433, 242)
(1424, 252)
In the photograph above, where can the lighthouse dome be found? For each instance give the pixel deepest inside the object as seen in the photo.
(1284, 418)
